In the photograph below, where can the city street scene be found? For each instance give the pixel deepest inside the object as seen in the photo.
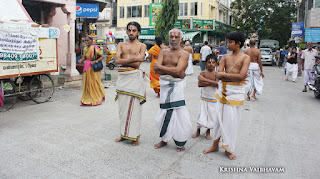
(159, 88)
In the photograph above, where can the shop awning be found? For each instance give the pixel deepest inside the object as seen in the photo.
(189, 35)
(146, 37)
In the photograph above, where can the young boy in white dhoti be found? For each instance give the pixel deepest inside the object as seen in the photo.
(207, 109)
(292, 66)
(232, 71)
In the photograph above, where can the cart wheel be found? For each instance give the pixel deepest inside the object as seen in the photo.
(111, 66)
(7, 96)
(41, 88)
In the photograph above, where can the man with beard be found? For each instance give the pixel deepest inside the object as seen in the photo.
(131, 88)
(172, 119)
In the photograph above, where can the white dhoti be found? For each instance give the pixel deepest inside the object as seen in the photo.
(173, 119)
(131, 94)
(189, 69)
(230, 98)
(254, 79)
(293, 69)
(207, 109)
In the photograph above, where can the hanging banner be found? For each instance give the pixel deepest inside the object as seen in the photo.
(207, 24)
(18, 46)
(154, 11)
(297, 29)
(197, 24)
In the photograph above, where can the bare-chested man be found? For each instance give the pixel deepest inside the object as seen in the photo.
(232, 71)
(131, 86)
(189, 49)
(255, 75)
(173, 119)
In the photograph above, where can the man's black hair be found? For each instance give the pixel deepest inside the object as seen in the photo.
(134, 24)
(237, 36)
(158, 40)
(211, 56)
(205, 42)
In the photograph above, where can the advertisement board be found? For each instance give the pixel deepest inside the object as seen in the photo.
(27, 50)
(85, 10)
(312, 34)
(297, 29)
(154, 10)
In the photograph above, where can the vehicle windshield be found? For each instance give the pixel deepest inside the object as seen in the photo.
(112, 47)
(266, 52)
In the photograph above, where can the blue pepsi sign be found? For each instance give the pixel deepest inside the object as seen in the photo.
(87, 10)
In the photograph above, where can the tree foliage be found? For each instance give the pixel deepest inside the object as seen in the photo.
(271, 19)
(167, 18)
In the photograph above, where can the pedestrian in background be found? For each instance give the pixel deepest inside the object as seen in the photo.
(93, 92)
(292, 66)
(222, 50)
(153, 56)
(204, 52)
(299, 62)
(308, 61)
(278, 56)
(282, 55)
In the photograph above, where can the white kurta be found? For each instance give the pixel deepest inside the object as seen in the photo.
(207, 115)
(254, 79)
(173, 119)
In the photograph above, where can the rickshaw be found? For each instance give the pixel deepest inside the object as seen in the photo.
(196, 55)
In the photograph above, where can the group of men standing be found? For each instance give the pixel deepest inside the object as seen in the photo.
(173, 119)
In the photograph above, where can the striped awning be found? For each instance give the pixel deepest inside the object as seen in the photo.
(147, 37)
(189, 35)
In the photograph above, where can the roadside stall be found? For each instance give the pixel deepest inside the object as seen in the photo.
(28, 53)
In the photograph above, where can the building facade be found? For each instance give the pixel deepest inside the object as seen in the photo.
(200, 20)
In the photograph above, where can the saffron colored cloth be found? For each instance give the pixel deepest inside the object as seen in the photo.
(207, 115)
(230, 96)
(172, 119)
(254, 79)
(154, 78)
(93, 92)
(131, 94)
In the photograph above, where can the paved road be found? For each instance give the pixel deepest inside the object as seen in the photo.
(60, 139)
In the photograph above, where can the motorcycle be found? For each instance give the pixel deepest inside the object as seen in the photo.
(111, 64)
(316, 86)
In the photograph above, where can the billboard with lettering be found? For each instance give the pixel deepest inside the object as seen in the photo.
(84, 10)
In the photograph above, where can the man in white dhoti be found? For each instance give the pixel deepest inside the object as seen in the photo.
(255, 74)
(232, 71)
(292, 66)
(207, 109)
(131, 87)
(172, 119)
(189, 49)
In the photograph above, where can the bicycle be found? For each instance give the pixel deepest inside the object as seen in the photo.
(39, 88)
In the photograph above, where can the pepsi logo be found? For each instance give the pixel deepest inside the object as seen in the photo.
(78, 9)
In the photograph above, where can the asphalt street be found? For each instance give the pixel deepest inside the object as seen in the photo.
(61, 139)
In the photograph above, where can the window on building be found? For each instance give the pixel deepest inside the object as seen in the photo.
(183, 9)
(121, 12)
(194, 8)
(201, 9)
(134, 11)
(146, 10)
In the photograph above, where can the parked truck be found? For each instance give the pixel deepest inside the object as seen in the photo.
(267, 43)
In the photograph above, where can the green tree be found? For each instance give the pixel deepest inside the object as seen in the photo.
(167, 18)
(272, 19)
